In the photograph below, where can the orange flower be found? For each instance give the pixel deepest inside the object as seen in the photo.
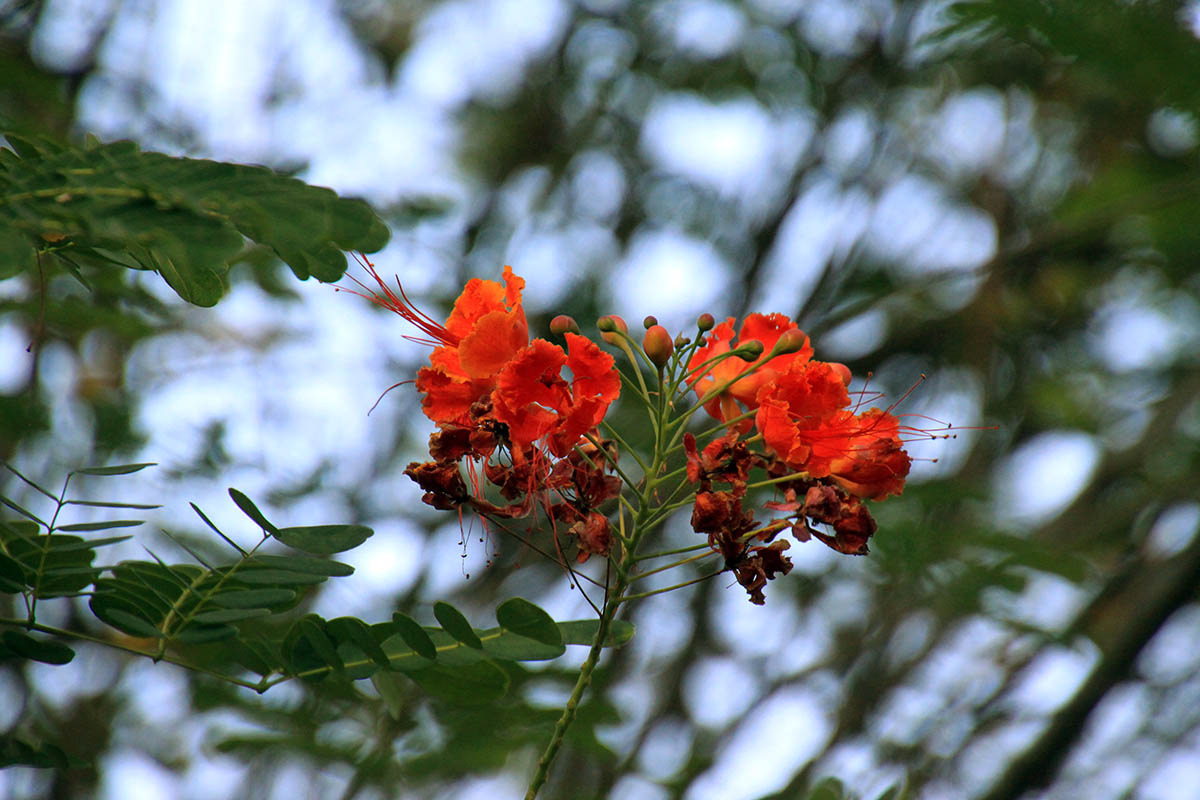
(485, 331)
(874, 463)
(792, 410)
(534, 400)
(803, 419)
(764, 328)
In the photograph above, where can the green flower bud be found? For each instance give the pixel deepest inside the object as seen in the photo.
(609, 325)
(750, 351)
(705, 322)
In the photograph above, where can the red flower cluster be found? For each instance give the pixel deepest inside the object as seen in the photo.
(521, 415)
(801, 408)
(824, 457)
(501, 401)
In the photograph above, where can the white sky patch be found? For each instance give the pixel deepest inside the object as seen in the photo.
(968, 132)
(706, 28)
(666, 749)
(856, 337)
(1042, 476)
(785, 731)
(1174, 530)
(15, 363)
(1128, 336)
(751, 630)
(1176, 776)
(734, 147)
(1171, 656)
(822, 224)
(554, 261)
(670, 275)
(478, 46)
(921, 230)
(1052, 677)
(66, 31)
(849, 141)
(129, 775)
(718, 690)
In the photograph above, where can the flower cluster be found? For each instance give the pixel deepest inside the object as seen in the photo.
(504, 408)
(519, 424)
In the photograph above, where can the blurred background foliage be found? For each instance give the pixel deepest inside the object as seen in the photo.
(1000, 195)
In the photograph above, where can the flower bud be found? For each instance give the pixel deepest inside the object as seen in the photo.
(792, 341)
(649, 322)
(562, 324)
(658, 345)
(681, 341)
(706, 322)
(843, 371)
(750, 351)
(609, 325)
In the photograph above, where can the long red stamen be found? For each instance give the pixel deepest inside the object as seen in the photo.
(398, 302)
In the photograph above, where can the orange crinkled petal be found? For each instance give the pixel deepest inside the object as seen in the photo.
(794, 405)
(494, 341)
(448, 398)
(530, 391)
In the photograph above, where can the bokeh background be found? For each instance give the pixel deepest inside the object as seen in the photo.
(1002, 196)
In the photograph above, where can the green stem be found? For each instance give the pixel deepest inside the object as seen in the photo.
(672, 565)
(581, 685)
(37, 626)
(666, 589)
(677, 551)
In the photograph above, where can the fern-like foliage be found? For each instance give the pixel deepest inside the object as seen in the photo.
(236, 620)
(114, 205)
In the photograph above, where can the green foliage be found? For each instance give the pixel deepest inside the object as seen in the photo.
(225, 618)
(115, 206)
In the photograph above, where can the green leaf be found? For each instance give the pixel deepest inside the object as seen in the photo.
(253, 598)
(55, 566)
(120, 469)
(414, 635)
(17, 753)
(315, 566)
(828, 789)
(277, 577)
(12, 577)
(101, 526)
(111, 613)
(473, 684)
(584, 630)
(230, 615)
(390, 691)
(250, 510)
(202, 634)
(91, 544)
(324, 540)
(47, 651)
(356, 632)
(508, 646)
(523, 617)
(185, 218)
(455, 624)
(308, 649)
(102, 504)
